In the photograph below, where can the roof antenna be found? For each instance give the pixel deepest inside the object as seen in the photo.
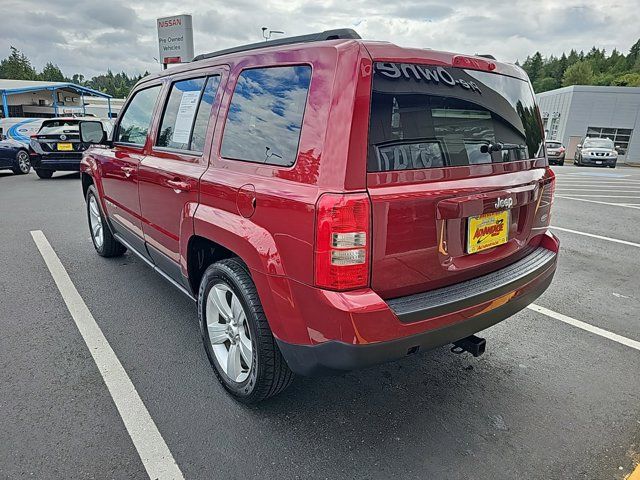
(266, 33)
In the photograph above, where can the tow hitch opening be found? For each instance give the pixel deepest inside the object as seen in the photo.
(472, 344)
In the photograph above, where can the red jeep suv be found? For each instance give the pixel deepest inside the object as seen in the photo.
(330, 203)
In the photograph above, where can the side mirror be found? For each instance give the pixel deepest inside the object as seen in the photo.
(579, 145)
(92, 132)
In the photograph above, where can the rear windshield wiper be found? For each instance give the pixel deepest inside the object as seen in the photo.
(499, 146)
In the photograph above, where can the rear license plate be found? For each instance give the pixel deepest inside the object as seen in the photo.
(487, 231)
(65, 147)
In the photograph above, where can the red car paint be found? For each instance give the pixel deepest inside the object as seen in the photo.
(266, 214)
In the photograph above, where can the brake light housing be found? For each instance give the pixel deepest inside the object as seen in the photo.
(542, 217)
(342, 241)
(473, 63)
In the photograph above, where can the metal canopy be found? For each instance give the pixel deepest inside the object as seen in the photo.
(13, 87)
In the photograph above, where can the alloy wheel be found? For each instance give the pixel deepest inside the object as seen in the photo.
(95, 222)
(229, 333)
(23, 161)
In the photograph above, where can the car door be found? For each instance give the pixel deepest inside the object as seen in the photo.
(5, 150)
(120, 166)
(177, 157)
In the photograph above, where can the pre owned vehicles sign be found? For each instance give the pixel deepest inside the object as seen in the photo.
(175, 39)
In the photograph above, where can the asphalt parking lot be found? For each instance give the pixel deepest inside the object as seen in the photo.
(549, 399)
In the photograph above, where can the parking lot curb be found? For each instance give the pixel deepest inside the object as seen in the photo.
(635, 475)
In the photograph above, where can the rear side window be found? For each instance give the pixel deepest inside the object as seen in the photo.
(430, 117)
(265, 117)
(136, 120)
(186, 116)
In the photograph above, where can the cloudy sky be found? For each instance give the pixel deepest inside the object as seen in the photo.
(89, 36)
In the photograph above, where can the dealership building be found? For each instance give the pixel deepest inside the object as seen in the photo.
(571, 113)
(33, 99)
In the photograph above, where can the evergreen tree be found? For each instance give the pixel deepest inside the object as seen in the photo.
(17, 67)
(51, 73)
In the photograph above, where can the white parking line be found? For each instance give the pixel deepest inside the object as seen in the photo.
(601, 237)
(604, 196)
(597, 201)
(151, 447)
(595, 190)
(586, 326)
(597, 185)
(598, 182)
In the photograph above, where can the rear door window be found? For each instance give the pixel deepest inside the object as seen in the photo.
(431, 117)
(186, 115)
(135, 122)
(265, 117)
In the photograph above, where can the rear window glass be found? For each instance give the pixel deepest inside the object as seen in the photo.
(429, 117)
(554, 144)
(59, 126)
(265, 116)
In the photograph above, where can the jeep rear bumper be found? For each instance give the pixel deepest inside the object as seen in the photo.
(471, 307)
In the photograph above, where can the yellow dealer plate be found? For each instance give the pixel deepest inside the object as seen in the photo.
(65, 147)
(487, 231)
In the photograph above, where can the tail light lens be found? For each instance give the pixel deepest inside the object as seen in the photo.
(545, 201)
(342, 241)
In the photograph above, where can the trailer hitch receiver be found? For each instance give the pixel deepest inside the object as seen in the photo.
(472, 344)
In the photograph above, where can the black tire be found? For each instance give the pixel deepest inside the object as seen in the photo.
(44, 174)
(23, 165)
(269, 373)
(561, 163)
(110, 246)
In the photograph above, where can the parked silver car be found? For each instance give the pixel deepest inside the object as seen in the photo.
(596, 152)
(555, 152)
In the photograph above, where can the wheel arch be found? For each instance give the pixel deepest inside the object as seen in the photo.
(87, 181)
(202, 252)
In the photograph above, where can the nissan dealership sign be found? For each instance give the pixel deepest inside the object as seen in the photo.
(175, 39)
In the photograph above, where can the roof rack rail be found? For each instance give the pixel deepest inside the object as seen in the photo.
(341, 33)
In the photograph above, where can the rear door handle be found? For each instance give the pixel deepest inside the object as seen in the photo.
(179, 185)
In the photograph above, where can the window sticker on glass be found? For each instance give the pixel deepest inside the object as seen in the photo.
(410, 155)
(186, 114)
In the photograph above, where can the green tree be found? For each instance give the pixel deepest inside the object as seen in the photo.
(17, 67)
(51, 73)
(545, 84)
(78, 79)
(533, 66)
(633, 59)
(627, 80)
(580, 73)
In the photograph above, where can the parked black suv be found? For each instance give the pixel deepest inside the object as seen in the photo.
(57, 147)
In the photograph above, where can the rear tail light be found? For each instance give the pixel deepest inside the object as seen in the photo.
(342, 247)
(545, 201)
